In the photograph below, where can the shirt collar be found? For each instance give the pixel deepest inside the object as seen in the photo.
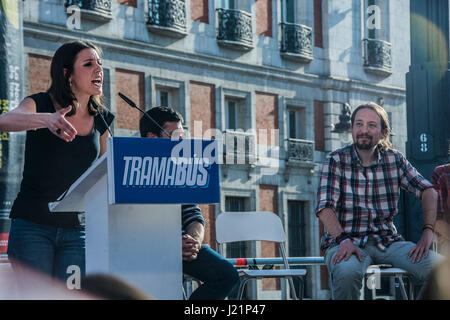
(378, 155)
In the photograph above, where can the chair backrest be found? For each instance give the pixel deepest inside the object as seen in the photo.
(249, 226)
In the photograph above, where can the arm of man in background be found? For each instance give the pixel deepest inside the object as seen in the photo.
(194, 231)
(414, 183)
(192, 241)
(429, 208)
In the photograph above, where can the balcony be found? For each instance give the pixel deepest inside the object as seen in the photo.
(235, 29)
(377, 57)
(300, 150)
(167, 17)
(296, 42)
(95, 10)
(239, 147)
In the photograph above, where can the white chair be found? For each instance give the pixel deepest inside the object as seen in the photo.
(257, 226)
(375, 272)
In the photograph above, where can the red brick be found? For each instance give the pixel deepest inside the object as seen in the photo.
(209, 213)
(268, 201)
(199, 11)
(318, 35)
(202, 107)
(133, 83)
(319, 129)
(263, 17)
(38, 73)
(130, 3)
(202, 100)
(267, 116)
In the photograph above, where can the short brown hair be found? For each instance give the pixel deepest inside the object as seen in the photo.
(384, 120)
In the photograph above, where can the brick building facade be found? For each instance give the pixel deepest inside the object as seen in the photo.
(275, 72)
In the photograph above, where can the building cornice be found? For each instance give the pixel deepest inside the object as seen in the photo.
(141, 49)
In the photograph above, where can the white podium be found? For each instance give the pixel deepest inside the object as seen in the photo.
(139, 242)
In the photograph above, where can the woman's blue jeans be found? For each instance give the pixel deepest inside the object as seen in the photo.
(57, 252)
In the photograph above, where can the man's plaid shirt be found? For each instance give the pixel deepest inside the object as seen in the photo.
(365, 198)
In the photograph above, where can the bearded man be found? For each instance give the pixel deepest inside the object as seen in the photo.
(358, 199)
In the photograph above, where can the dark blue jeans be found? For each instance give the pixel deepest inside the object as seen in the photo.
(218, 276)
(57, 252)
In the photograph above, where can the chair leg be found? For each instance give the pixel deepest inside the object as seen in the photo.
(291, 285)
(402, 287)
(302, 283)
(242, 287)
(330, 281)
(411, 288)
(184, 293)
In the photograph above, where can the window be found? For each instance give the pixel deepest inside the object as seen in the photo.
(296, 234)
(235, 114)
(377, 19)
(298, 12)
(169, 97)
(239, 249)
(293, 127)
(163, 98)
(232, 115)
(288, 9)
(236, 249)
(236, 5)
(169, 93)
(229, 4)
(296, 123)
(296, 228)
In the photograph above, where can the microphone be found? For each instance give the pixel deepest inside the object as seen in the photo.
(100, 114)
(132, 104)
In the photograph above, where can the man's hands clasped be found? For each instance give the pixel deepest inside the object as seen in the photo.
(190, 247)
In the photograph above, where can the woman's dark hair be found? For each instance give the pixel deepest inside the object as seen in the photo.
(161, 115)
(64, 58)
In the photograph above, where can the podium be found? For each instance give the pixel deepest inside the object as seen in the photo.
(132, 198)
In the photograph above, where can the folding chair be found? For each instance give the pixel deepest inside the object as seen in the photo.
(257, 226)
(380, 271)
(392, 273)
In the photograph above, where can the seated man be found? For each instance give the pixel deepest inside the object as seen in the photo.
(357, 201)
(217, 275)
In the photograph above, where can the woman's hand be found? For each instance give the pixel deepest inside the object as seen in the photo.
(59, 126)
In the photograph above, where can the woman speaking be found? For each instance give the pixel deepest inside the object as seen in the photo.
(65, 134)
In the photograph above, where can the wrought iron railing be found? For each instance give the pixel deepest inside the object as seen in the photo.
(167, 16)
(296, 42)
(239, 147)
(300, 150)
(93, 9)
(377, 56)
(235, 29)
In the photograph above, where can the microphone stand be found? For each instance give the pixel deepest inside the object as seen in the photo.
(132, 104)
(100, 114)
